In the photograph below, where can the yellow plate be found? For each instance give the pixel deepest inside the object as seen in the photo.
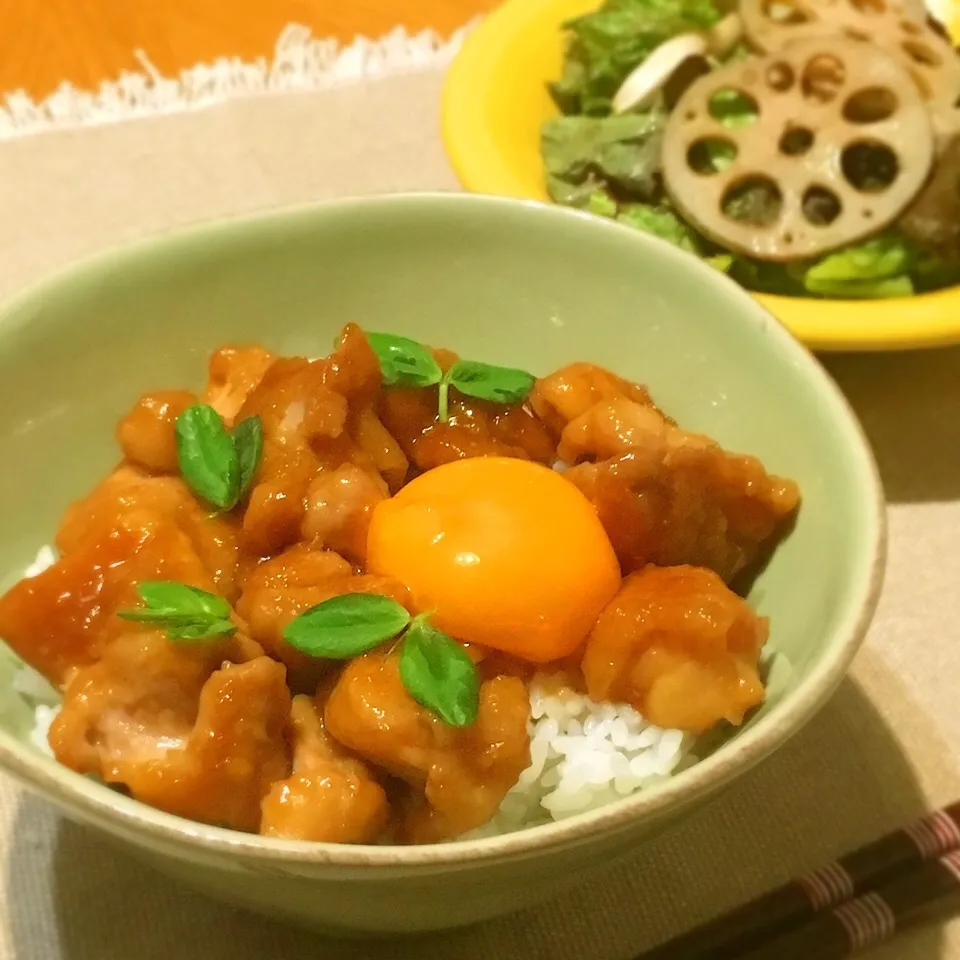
(494, 102)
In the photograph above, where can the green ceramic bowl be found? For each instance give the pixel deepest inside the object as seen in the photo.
(500, 280)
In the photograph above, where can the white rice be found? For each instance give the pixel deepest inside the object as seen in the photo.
(583, 754)
(43, 716)
(46, 557)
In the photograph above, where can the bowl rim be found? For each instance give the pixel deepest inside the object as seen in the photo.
(923, 320)
(94, 802)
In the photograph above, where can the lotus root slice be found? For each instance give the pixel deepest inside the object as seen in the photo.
(896, 26)
(828, 111)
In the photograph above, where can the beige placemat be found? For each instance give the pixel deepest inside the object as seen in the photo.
(882, 751)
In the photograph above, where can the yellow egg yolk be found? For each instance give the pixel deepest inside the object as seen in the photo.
(501, 552)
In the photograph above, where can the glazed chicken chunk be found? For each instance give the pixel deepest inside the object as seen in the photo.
(339, 504)
(193, 729)
(572, 390)
(234, 373)
(317, 417)
(129, 531)
(458, 776)
(679, 646)
(330, 796)
(147, 433)
(475, 428)
(213, 537)
(670, 497)
(281, 588)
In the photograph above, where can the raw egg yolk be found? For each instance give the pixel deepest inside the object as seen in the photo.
(501, 552)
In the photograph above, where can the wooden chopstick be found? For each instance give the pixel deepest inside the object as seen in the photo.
(919, 851)
(924, 893)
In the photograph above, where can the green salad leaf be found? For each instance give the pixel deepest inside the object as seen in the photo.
(583, 155)
(877, 267)
(767, 277)
(733, 109)
(662, 222)
(606, 45)
(886, 265)
(591, 195)
(601, 204)
(722, 262)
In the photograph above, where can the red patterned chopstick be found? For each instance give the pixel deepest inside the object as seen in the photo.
(852, 881)
(923, 893)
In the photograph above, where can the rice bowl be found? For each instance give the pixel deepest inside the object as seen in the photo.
(70, 360)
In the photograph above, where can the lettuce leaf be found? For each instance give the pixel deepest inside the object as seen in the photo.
(724, 262)
(667, 224)
(881, 257)
(877, 267)
(584, 154)
(664, 223)
(601, 204)
(767, 278)
(580, 195)
(887, 265)
(606, 45)
(898, 286)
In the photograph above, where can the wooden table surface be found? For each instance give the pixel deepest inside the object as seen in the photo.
(44, 42)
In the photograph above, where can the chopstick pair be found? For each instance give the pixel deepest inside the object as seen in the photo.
(908, 877)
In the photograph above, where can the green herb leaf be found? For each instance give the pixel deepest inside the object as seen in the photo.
(346, 626)
(186, 613)
(160, 595)
(443, 400)
(404, 362)
(201, 630)
(248, 442)
(487, 382)
(439, 675)
(208, 457)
